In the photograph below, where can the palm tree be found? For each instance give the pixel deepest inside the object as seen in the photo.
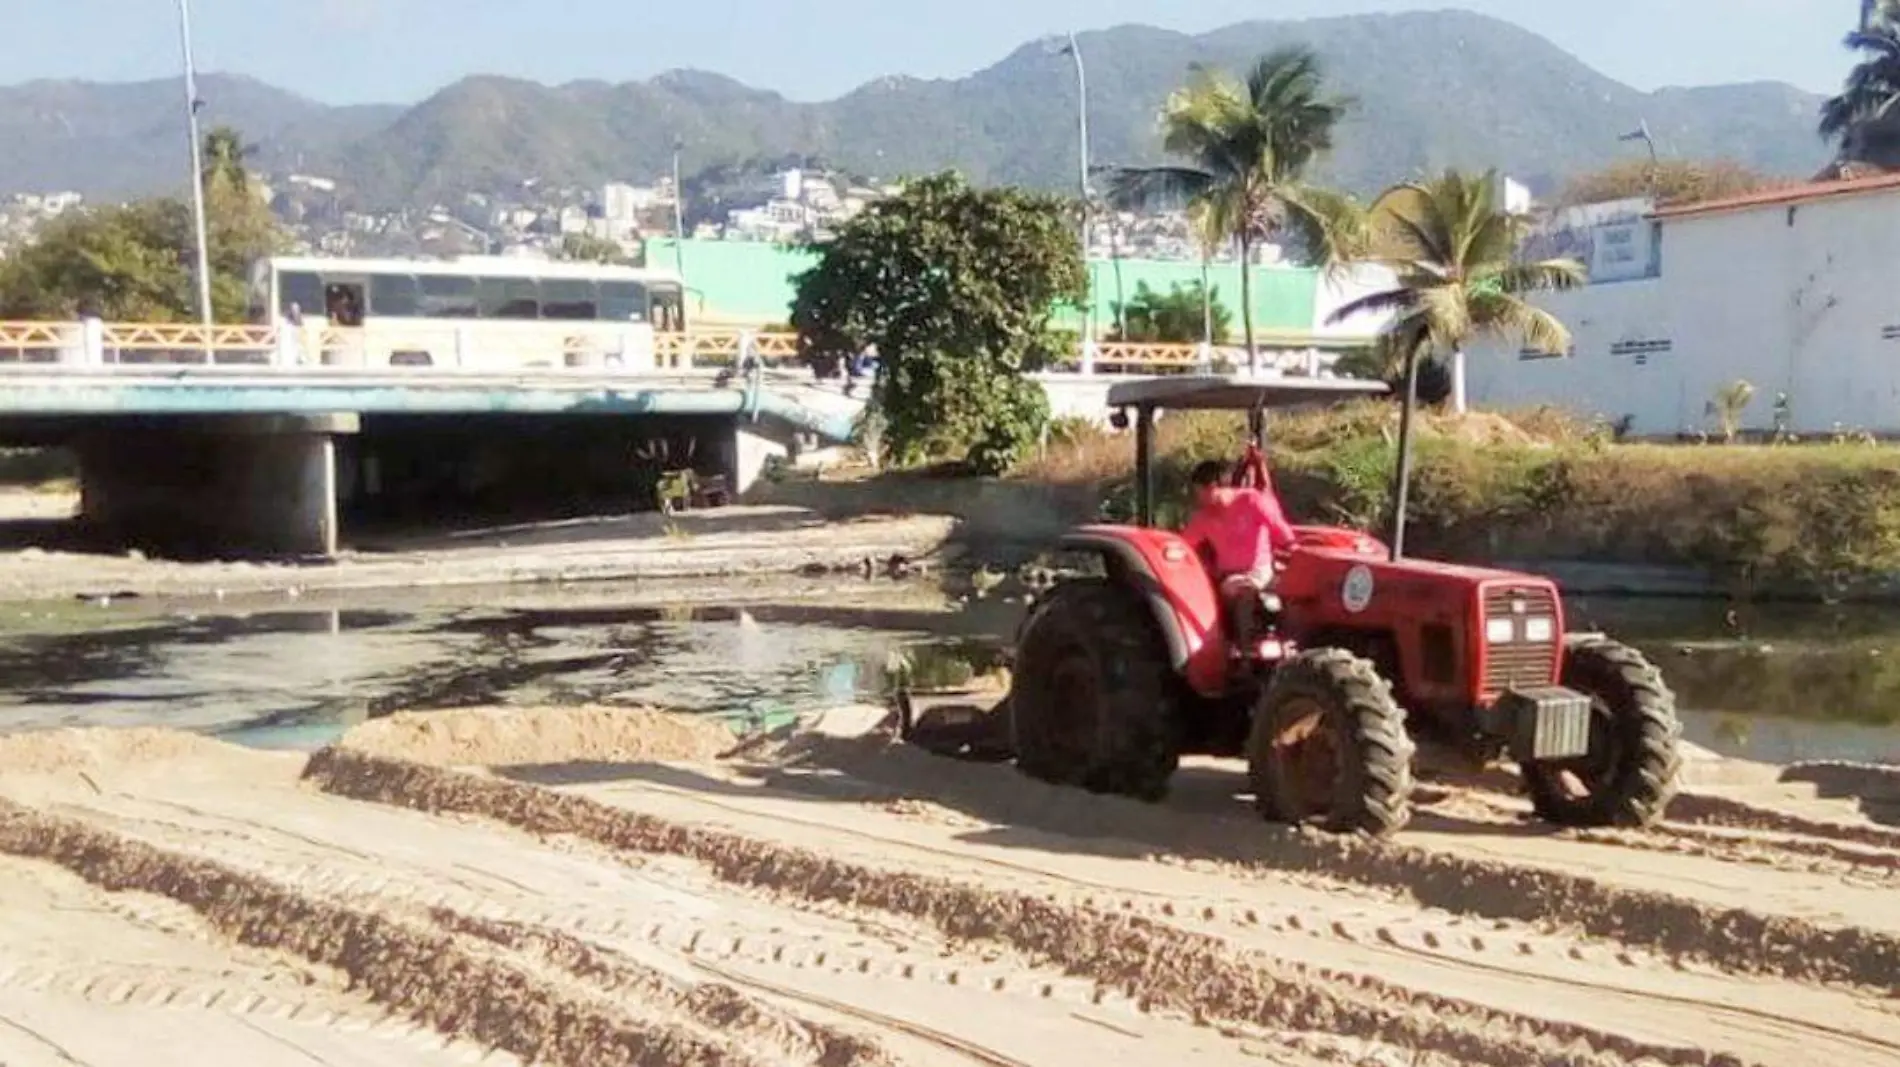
(1455, 257)
(224, 155)
(1247, 148)
(1872, 89)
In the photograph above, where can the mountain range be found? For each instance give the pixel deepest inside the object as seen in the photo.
(1433, 89)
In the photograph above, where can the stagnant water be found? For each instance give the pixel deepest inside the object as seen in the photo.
(1775, 684)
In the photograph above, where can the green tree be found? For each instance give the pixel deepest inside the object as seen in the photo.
(1860, 118)
(1248, 148)
(1179, 316)
(1455, 256)
(955, 287)
(134, 262)
(1669, 181)
(586, 248)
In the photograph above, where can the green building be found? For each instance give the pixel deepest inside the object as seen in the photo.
(749, 283)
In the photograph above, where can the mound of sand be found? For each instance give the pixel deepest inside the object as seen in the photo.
(97, 749)
(503, 736)
(1480, 428)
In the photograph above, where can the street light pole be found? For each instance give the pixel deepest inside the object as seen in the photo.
(192, 104)
(1082, 129)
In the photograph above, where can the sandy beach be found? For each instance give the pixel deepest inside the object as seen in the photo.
(592, 886)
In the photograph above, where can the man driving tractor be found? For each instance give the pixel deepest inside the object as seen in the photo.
(1238, 531)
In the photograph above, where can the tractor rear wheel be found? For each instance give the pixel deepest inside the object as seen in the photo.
(1329, 747)
(1092, 702)
(1630, 774)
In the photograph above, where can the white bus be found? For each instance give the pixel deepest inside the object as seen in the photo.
(494, 312)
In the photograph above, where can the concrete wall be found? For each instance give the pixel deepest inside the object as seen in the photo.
(229, 487)
(1794, 298)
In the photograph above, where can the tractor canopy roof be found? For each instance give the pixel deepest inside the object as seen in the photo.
(1228, 392)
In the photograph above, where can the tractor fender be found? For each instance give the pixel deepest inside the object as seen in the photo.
(1166, 572)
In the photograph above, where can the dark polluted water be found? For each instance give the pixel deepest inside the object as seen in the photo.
(1775, 684)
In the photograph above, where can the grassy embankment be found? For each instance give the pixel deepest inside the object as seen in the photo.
(1541, 486)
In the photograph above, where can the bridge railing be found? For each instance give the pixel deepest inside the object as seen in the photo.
(524, 346)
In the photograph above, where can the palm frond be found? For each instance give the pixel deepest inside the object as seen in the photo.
(1407, 241)
(1505, 315)
(1400, 302)
(1331, 226)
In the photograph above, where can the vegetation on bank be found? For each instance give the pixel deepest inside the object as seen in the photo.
(1542, 485)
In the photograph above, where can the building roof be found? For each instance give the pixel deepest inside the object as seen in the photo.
(1800, 193)
(1232, 392)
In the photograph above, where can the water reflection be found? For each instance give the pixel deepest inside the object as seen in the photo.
(1776, 685)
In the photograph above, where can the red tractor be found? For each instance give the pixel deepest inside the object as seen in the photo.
(1119, 675)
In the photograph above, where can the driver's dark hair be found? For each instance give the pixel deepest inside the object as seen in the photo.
(1208, 472)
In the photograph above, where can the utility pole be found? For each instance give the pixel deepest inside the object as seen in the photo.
(679, 214)
(192, 104)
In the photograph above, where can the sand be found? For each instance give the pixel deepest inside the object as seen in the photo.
(583, 886)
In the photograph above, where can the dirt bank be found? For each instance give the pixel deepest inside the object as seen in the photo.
(733, 543)
(568, 884)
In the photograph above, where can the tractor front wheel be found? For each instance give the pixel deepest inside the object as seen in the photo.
(1630, 774)
(1092, 700)
(1329, 747)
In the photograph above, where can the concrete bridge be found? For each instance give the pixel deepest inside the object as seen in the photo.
(251, 440)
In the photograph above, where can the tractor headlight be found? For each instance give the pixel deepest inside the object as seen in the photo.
(1499, 631)
(1540, 630)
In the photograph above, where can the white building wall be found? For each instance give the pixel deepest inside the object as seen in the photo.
(1619, 366)
(1799, 298)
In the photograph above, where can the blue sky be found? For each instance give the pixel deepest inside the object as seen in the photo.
(351, 51)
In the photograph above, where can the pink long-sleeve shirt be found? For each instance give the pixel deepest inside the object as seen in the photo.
(1243, 526)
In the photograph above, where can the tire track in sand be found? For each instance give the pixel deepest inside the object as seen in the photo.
(1527, 958)
(330, 873)
(1731, 938)
(1849, 853)
(1196, 975)
(453, 983)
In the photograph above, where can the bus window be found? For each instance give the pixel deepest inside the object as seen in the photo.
(623, 302)
(568, 298)
(301, 289)
(447, 297)
(669, 308)
(343, 303)
(509, 298)
(392, 296)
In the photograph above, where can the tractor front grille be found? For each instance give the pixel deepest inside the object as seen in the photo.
(1519, 664)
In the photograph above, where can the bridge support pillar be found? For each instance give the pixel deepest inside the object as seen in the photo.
(261, 487)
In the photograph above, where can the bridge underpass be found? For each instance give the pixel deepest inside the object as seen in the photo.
(191, 469)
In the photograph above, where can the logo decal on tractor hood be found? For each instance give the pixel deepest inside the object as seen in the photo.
(1356, 591)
